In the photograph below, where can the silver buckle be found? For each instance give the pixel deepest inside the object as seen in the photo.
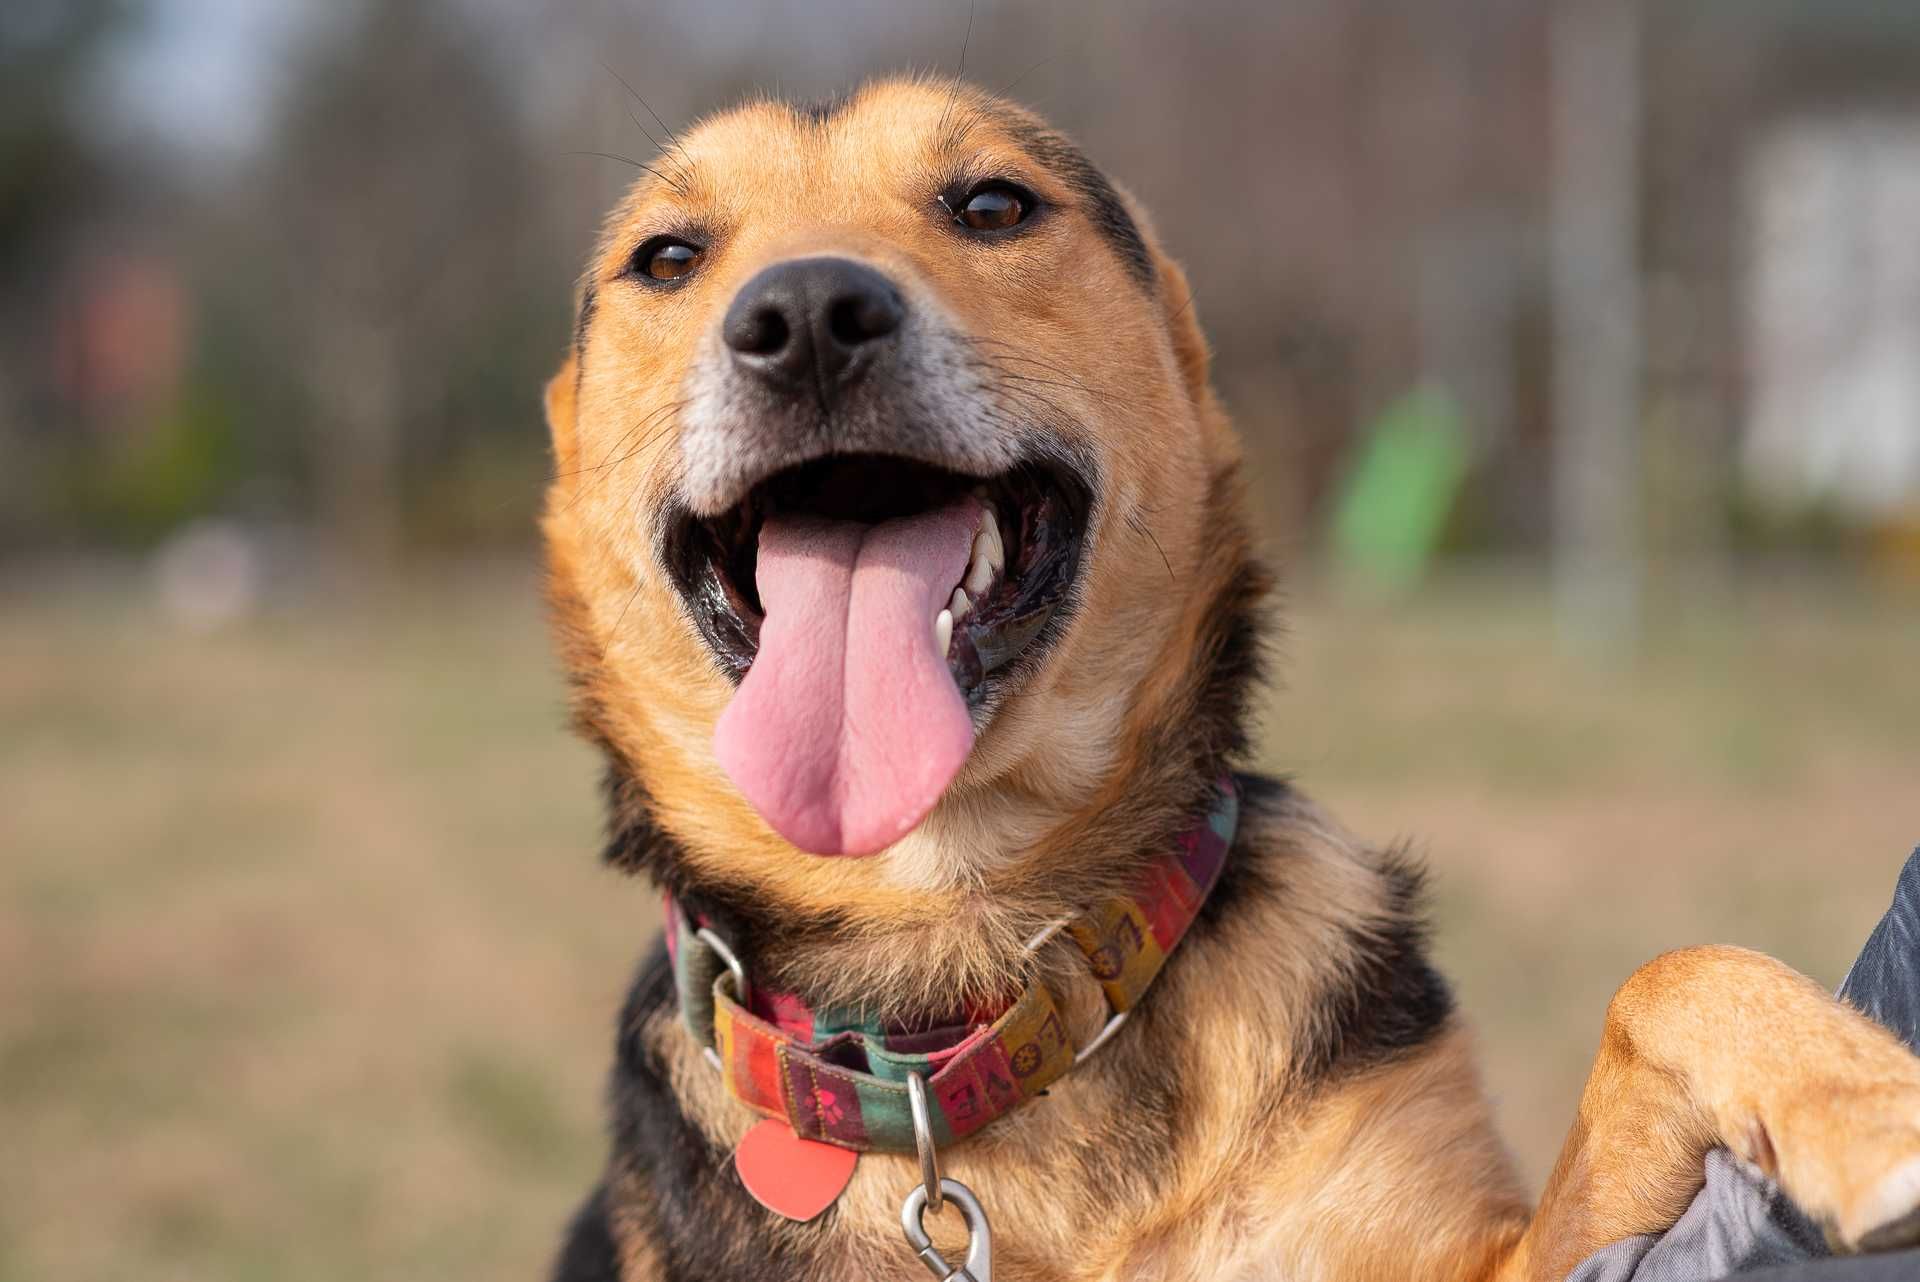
(1118, 1018)
(740, 990)
(1040, 940)
(1046, 933)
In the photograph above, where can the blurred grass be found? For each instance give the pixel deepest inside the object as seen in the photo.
(307, 969)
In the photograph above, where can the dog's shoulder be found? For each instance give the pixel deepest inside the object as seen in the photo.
(1344, 920)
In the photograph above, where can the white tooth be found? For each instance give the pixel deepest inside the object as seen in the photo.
(987, 556)
(979, 573)
(988, 542)
(959, 605)
(942, 631)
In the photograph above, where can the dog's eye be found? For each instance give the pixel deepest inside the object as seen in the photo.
(665, 258)
(994, 207)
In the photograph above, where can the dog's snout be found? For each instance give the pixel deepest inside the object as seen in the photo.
(812, 321)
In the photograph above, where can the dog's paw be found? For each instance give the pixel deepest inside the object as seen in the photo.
(1850, 1157)
(1889, 1216)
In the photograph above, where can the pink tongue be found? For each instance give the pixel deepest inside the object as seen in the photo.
(848, 727)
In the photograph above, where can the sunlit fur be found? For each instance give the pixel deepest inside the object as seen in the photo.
(1296, 1100)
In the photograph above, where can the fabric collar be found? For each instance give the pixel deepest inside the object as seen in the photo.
(836, 1077)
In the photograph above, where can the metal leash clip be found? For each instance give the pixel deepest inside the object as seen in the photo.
(935, 1191)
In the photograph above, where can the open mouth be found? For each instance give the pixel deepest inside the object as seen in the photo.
(870, 606)
(1025, 553)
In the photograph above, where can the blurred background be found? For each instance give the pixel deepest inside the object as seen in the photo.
(1577, 347)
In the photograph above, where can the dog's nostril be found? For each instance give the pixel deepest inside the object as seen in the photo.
(760, 332)
(863, 317)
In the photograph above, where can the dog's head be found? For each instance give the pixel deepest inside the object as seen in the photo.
(891, 501)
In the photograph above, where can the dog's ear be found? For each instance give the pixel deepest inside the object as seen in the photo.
(1183, 325)
(561, 391)
(1176, 307)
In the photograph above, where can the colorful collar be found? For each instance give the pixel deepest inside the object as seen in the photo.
(835, 1078)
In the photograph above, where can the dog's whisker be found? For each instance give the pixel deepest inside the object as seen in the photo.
(1072, 384)
(1014, 83)
(603, 469)
(673, 143)
(631, 598)
(658, 146)
(1138, 525)
(668, 409)
(1029, 397)
(996, 359)
(953, 93)
(627, 160)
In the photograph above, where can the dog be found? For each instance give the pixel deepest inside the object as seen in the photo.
(898, 555)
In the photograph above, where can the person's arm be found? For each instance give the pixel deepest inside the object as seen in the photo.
(1902, 1266)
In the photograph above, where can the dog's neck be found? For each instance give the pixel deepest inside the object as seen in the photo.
(977, 1063)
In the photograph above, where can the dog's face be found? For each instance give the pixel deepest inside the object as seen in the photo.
(883, 461)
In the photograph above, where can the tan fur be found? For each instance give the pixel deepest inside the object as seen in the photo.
(1389, 1171)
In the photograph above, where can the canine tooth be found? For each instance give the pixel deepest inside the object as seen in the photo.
(979, 573)
(959, 605)
(987, 542)
(942, 631)
(987, 556)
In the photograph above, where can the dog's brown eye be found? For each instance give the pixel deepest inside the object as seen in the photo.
(665, 258)
(995, 207)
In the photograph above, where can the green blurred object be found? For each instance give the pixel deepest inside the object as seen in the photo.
(136, 485)
(1394, 510)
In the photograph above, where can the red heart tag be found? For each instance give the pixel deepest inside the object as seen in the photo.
(788, 1175)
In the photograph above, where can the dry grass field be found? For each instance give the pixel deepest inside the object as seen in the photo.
(307, 969)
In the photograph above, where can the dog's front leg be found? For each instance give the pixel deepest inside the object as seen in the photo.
(1724, 1046)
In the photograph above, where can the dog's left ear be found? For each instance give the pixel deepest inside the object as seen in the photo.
(561, 390)
(1183, 325)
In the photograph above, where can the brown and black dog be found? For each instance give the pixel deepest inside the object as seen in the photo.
(918, 301)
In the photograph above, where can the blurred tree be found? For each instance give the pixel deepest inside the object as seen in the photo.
(48, 50)
(50, 175)
(1362, 195)
(398, 219)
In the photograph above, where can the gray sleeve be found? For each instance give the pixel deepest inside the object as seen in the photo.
(1739, 1221)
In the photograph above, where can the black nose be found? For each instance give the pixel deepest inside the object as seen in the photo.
(812, 322)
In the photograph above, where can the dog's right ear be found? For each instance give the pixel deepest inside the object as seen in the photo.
(562, 389)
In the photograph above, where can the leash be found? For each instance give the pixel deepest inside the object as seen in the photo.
(833, 1079)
